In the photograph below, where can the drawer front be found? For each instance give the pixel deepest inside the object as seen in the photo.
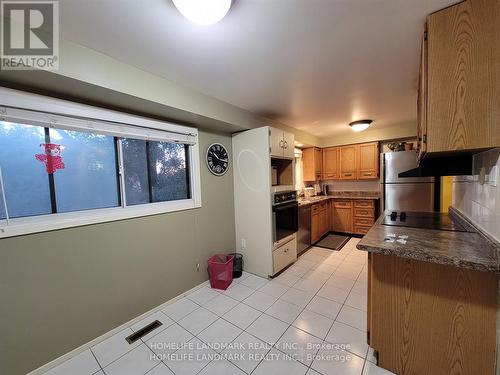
(319, 207)
(360, 229)
(364, 212)
(342, 203)
(367, 175)
(348, 175)
(284, 255)
(367, 221)
(364, 204)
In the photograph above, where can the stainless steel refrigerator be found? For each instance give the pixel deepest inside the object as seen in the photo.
(407, 193)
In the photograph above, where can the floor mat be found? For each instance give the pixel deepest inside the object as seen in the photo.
(333, 242)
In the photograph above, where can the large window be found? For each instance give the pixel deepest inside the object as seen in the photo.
(71, 171)
(53, 170)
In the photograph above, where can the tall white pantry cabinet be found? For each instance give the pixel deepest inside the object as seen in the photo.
(252, 153)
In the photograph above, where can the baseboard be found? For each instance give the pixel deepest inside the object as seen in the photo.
(56, 362)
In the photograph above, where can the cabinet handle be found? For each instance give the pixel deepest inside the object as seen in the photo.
(367, 174)
(281, 144)
(285, 144)
(347, 174)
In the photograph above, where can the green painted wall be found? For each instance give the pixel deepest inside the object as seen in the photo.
(64, 288)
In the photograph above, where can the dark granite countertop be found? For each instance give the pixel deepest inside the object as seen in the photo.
(366, 195)
(471, 249)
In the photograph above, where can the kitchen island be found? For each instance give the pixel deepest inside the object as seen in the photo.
(432, 298)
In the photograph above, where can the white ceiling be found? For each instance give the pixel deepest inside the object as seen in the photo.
(312, 64)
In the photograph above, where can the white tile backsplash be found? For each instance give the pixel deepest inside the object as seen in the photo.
(478, 196)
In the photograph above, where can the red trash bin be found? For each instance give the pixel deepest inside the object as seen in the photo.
(220, 271)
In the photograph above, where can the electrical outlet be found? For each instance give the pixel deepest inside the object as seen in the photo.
(243, 244)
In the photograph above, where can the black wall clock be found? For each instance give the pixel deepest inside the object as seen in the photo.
(217, 159)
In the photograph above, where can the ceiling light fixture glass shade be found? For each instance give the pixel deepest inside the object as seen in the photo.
(203, 12)
(359, 126)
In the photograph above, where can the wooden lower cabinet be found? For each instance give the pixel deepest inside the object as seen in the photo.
(320, 220)
(342, 216)
(426, 318)
(359, 229)
(352, 216)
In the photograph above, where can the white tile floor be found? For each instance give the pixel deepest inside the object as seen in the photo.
(310, 319)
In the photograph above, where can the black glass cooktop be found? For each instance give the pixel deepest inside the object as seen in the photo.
(426, 220)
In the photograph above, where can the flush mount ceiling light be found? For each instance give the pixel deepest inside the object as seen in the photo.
(359, 126)
(203, 12)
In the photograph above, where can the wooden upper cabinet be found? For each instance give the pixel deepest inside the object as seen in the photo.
(368, 161)
(312, 159)
(330, 163)
(352, 162)
(422, 99)
(318, 162)
(463, 77)
(347, 162)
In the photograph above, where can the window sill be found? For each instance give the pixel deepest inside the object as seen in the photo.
(45, 223)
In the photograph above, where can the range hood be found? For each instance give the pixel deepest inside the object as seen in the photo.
(449, 165)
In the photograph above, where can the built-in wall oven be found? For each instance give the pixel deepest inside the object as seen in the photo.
(285, 215)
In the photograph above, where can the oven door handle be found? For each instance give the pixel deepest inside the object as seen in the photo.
(285, 206)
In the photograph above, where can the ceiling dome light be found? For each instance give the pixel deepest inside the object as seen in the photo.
(203, 12)
(359, 126)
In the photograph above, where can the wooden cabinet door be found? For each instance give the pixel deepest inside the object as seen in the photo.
(315, 223)
(276, 142)
(347, 160)
(343, 217)
(368, 161)
(369, 300)
(332, 217)
(330, 163)
(308, 167)
(422, 100)
(318, 163)
(323, 221)
(312, 162)
(463, 77)
(288, 145)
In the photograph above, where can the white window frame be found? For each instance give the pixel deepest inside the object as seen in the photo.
(19, 106)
